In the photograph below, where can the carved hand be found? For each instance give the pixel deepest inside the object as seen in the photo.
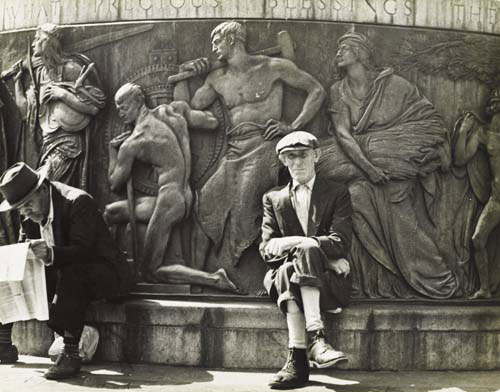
(198, 66)
(468, 123)
(275, 128)
(53, 92)
(18, 76)
(378, 175)
(339, 266)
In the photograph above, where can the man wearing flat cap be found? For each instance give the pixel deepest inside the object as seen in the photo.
(306, 235)
(66, 232)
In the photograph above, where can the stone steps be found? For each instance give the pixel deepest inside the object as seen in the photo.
(222, 333)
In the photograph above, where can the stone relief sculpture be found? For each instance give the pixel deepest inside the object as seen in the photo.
(389, 145)
(58, 96)
(473, 139)
(228, 211)
(7, 231)
(159, 138)
(424, 194)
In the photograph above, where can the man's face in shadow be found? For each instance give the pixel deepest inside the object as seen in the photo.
(301, 163)
(36, 208)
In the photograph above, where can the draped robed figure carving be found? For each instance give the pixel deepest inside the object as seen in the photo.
(390, 146)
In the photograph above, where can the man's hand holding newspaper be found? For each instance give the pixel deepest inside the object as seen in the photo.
(41, 251)
(22, 281)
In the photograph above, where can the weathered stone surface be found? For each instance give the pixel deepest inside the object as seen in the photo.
(453, 79)
(254, 335)
(472, 15)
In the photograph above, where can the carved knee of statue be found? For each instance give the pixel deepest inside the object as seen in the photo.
(116, 213)
(108, 214)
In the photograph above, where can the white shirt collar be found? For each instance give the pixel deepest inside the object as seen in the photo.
(309, 184)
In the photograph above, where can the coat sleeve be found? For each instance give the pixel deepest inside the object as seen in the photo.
(81, 233)
(270, 230)
(336, 243)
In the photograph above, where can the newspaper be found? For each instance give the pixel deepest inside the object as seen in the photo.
(23, 291)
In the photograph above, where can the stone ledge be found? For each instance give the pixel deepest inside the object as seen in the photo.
(231, 334)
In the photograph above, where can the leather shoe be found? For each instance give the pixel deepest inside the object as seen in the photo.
(320, 353)
(295, 372)
(65, 366)
(8, 353)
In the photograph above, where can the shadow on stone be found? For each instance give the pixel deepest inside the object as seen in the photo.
(135, 376)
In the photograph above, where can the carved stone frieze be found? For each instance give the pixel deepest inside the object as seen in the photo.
(415, 143)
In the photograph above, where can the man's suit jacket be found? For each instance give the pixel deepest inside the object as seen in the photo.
(330, 221)
(80, 234)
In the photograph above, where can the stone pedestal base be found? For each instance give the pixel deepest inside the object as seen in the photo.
(225, 334)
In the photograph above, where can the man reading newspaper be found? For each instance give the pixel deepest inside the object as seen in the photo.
(23, 290)
(82, 263)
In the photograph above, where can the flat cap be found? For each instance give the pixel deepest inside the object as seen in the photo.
(298, 140)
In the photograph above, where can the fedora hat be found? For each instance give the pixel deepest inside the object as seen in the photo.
(18, 183)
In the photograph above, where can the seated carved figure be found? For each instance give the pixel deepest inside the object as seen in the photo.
(388, 144)
(159, 138)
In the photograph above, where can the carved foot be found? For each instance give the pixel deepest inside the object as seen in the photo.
(481, 294)
(224, 283)
(262, 293)
(151, 277)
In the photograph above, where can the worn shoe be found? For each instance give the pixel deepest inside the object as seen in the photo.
(65, 366)
(8, 353)
(295, 373)
(320, 353)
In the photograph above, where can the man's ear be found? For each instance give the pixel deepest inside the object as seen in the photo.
(44, 188)
(282, 159)
(230, 39)
(317, 154)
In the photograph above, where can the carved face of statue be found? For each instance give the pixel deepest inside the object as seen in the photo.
(221, 47)
(301, 163)
(39, 43)
(37, 206)
(345, 56)
(128, 110)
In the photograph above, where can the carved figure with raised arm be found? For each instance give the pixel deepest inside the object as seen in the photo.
(228, 212)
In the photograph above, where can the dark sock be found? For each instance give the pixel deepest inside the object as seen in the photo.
(6, 334)
(71, 342)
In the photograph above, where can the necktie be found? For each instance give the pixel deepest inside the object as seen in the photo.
(302, 206)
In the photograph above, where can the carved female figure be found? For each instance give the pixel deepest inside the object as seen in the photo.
(389, 142)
